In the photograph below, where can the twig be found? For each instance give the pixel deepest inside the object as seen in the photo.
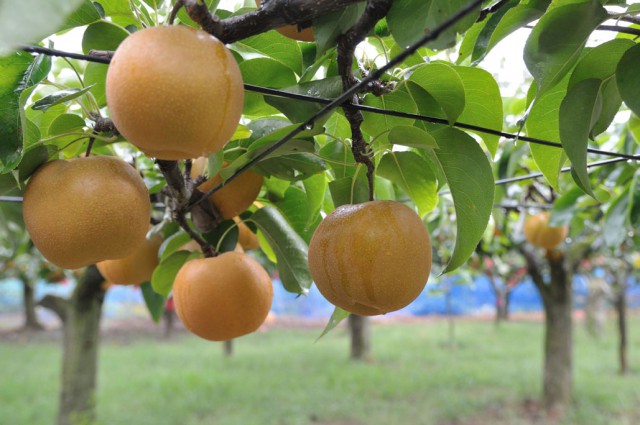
(179, 196)
(347, 43)
(174, 11)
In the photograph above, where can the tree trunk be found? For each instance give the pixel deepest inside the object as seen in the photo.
(621, 310)
(30, 318)
(360, 331)
(558, 345)
(80, 358)
(169, 317)
(228, 348)
(502, 305)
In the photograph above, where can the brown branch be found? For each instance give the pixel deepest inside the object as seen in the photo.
(56, 304)
(174, 11)
(534, 271)
(179, 194)
(273, 14)
(199, 12)
(347, 43)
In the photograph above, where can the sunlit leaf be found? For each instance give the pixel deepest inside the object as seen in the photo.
(470, 179)
(289, 248)
(551, 51)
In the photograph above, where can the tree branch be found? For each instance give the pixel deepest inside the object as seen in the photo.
(56, 304)
(273, 14)
(180, 195)
(347, 43)
(533, 269)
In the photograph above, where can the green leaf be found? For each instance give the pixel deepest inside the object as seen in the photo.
(267, 72)
(413, 137)
(633, 125)
(103, 36)
(443, 82)
(601, 61)
(551, 51)
(503, 23)
(579, 112)
(409, 20)
(483, 39)
(31, 160)
(164, 275)
(289, 248)
(56, 98)
(172, 244)
(398, 100)
(615, 222)
(314, 187)
(628, 79)
(413, 174)
(543, 123)
(119, 11)
(95, 75)
(272, 45)
(15, 76)
(84, 15)
(350, 190)
(483, 103)
(328, 27)
(633, 215)
(153, 300)
(299, 110)
(339, 158)
(337, 316)
(290, 207)
(227, 230)
(29, 21)
(65, 123)
(292, 167)
(470, 179)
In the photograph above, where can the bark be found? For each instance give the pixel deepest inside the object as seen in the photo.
(558, 347)
(30, 318)
(558, 340)
(56, 304)
(502, 296)
(227, 348)
(169, 316)
(360, 331)
(80, 358)
(621, 311)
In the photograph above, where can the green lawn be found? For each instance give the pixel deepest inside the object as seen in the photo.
(282, 377)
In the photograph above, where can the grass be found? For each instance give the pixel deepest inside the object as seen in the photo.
(280, 377)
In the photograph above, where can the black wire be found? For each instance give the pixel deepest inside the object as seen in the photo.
(60, 53)
(374, 110)
(562, 170)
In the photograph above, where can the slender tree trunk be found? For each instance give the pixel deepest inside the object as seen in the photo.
(169, 317)
(80, 358)
(558, 339)
(621, 310)
(450, 318)
(558, 345)
(502, 305)
(360, 331)
(228, 348)
(30, 318)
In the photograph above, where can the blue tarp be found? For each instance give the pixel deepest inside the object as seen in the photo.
(477, 297)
